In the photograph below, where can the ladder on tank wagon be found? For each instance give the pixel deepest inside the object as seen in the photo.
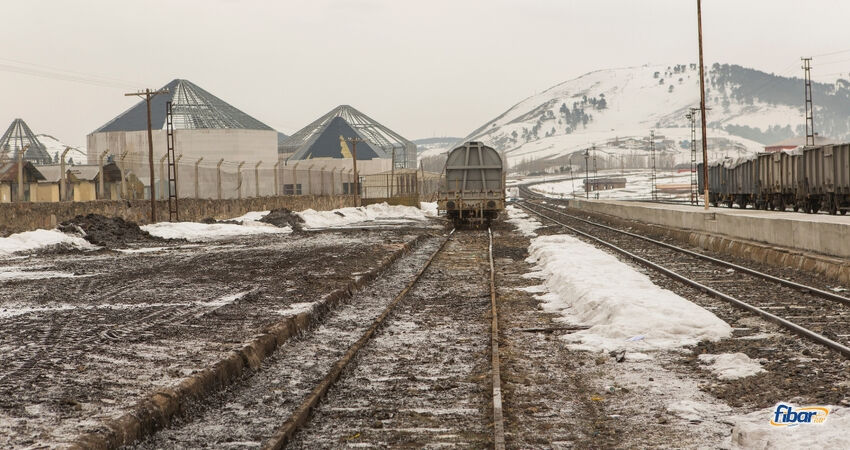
(172, 165)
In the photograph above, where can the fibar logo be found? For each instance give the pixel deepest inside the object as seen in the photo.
(785, 415)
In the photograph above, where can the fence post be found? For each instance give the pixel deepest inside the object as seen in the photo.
(100, 188)
(176, 177)
(123, 174)
(310, 179)
(197, 182)
(295, 178)
(21, 172)
(239, 179)
(257, 178)
(161, 176)
(63, 176)
(276, 185)
(218, 170)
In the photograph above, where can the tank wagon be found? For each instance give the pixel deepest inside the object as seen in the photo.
(811, 179)
(473, 189)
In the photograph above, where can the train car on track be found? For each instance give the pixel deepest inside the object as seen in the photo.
(473, 190)
(809, 179)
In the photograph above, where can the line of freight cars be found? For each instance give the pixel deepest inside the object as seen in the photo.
(812, 179)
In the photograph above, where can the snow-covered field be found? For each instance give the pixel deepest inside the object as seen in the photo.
(638, 186)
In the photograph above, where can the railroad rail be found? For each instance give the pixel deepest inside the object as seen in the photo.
(302, 413)
(798, 292)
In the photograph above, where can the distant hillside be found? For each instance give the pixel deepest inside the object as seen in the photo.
(615, 109)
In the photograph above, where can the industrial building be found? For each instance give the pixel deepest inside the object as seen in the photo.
(19, 136)
(329, 142)
(216, 143)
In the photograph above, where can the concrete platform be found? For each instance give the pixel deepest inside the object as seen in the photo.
(817, 233)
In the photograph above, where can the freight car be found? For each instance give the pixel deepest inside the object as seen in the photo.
(810, 179)
(473, 189)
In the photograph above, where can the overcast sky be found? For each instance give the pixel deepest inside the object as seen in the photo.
(423, 68)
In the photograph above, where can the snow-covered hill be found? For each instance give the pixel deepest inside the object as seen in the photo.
(434, 146)
(615, 110)
(55, 147)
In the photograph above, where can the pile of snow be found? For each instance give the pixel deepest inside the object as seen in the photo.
(252, 216)
(522, 221)
(342, 217)
(731, 366)
(754, 431)
(429, 208)
(199, 232)
(33, 240)
(622, 307)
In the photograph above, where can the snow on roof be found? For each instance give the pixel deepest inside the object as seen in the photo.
(191, 107)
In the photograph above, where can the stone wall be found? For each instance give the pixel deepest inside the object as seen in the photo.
(17, 217)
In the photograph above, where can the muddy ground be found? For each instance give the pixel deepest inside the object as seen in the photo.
(85, 335)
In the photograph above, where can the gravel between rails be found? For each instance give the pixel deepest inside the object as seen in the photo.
(248, 413)
(423, 380)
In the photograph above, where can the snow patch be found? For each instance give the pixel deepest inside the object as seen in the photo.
(14, 273)
(753, 431)
(429, 208)
(588, 286)
(252, 216)
(731, 366)
(696, 411)
(342, 217)
(29, 241)
(199, 232)
(522, 221)
(296, 308)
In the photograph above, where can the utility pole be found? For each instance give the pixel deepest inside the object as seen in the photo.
(586, 174)
(595, 173)
(692, 118)
(147, 95)
(810, 121)
(702, 105)
(652, 179)
(353, 141)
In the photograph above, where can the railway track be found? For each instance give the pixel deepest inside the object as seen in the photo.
(412, 373)
(815, 314)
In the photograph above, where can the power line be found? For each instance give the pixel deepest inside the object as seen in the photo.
(59, 74)
(832, 53)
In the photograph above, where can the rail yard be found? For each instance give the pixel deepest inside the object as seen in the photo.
(397, 225)
(401, 330)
